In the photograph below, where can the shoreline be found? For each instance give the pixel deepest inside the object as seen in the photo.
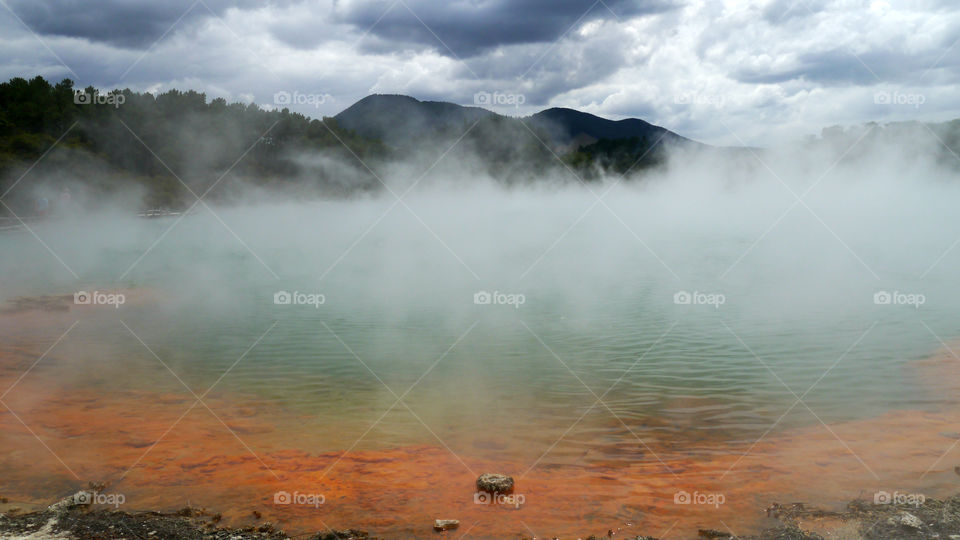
(394, 491)
(73, 518)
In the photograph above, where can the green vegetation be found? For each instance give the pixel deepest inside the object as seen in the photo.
(172, 147)
(620, 156)
(167, 149)
(165, 144)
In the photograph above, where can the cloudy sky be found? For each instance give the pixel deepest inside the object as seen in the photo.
(722, 71)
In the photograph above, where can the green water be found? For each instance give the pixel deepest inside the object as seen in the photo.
(599, 320)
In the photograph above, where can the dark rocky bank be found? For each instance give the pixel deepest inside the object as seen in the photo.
(861, 519)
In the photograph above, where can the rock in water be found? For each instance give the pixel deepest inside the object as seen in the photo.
(445, 524)
(495, 483)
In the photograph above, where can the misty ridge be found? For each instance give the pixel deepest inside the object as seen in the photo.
(140, 150)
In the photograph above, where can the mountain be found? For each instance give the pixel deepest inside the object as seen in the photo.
(396, 119)
(199, 138)
(335, 157)
(569, 127)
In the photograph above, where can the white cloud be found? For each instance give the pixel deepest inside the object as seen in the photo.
(722, 72)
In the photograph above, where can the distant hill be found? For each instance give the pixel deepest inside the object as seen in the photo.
(569, 127)
(396, 119)
(63, 136)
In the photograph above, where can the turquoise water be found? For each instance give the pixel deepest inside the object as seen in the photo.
(598, 319)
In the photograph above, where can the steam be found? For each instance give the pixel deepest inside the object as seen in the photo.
(595, 258)
(834, 212)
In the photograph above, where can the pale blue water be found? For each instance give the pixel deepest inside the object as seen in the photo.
(599, 307)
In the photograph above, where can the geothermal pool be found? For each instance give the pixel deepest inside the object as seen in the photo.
(597, 387)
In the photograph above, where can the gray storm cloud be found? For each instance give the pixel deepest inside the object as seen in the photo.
(778, 69)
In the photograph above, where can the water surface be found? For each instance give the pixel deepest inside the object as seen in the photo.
(599, 386)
